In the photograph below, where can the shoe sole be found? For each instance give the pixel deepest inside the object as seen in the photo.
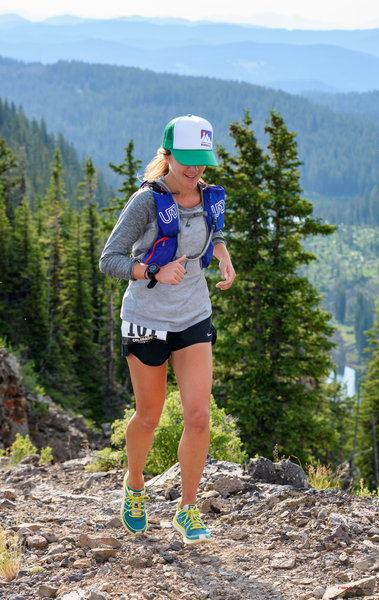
(187, 540)
(139, 531)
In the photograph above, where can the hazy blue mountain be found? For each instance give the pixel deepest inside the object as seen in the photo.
(366, 104)
(328, 60)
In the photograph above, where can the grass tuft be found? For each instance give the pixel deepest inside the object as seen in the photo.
(10, 555)
(321, 477)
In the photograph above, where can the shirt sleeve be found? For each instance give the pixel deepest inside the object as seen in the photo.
(136, 215)
(218, 238)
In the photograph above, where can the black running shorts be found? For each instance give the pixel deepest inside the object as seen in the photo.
(155, 352)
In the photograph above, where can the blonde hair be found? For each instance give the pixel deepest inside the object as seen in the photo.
(158, 166)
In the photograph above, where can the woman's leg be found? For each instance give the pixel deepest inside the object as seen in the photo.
(193, 370)
(149, 385)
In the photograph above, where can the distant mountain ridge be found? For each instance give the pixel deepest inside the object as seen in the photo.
(335, 61)
(366, 104)
(99, 108)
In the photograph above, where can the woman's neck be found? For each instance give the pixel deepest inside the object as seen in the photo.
(185, 197)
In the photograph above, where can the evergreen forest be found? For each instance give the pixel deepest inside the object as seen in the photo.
(273, 359)
(346, 273)
(35, 148)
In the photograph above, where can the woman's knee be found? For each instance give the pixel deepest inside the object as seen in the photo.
(147, 423)
(197, 419)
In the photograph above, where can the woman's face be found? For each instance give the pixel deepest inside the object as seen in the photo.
(182, 177)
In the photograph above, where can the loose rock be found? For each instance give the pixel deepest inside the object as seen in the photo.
(47, 591)
(363, 587)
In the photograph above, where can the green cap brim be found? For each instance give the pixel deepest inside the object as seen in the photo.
(195, 157)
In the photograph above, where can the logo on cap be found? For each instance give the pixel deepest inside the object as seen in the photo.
(206, 138)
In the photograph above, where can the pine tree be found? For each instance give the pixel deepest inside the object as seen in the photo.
(369, 409)
(28, 307)
(128, 169)
(91, 244)
(274, 348)
(8, 162)
(56, 362)
(78, 322)
(362, 321)
(5, 267)
(340, 303)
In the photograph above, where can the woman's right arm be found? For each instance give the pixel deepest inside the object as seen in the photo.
(131, 225)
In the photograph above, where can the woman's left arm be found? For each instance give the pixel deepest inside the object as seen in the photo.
(227, 272)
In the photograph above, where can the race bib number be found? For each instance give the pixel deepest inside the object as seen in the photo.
(131, 333)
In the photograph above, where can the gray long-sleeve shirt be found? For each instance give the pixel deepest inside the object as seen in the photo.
(164, 307)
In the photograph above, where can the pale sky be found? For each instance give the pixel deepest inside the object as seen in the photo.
(307, 14)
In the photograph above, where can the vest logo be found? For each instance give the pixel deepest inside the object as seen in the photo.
(169, 214)
(218, 208)
(206, 138)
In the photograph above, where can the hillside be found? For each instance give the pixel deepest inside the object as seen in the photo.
(100, 108)
(328, 60)
(34, 148)
(346, 273)
(358, 104)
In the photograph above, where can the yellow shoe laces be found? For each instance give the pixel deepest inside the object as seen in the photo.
(192, 514)
(136, 505)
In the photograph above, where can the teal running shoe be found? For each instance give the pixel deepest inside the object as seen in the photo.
(188, 522)
(133, 514)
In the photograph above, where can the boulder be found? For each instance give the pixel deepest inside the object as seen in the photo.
(35, 415)
(351, 589)
(284, 472)
(13, 405)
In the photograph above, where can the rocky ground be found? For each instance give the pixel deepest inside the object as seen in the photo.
(270, 541)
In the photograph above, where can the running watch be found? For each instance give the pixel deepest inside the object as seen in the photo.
(151, 270)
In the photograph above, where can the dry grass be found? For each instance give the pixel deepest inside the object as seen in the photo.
(10, 555)
(321, 477)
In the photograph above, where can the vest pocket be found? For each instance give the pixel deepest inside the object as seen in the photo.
(154, 252)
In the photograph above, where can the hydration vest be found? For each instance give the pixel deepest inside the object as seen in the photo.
(165, 246)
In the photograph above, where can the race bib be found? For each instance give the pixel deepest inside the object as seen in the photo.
(132, 333)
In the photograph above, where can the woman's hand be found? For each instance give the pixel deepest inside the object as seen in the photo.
(173, 272)
(227, 271)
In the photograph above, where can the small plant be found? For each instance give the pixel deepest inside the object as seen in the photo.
(105, 460)
(364, 492)
(20, 448)
(46, 457)
(39, 407)
(10, 555)
(275, 454)
(321, 477)
(35, 570)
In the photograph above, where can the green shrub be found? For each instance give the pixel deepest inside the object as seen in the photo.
(20, 448)
(363, 492)
(46, 457)
(225, 443)
(105, 460)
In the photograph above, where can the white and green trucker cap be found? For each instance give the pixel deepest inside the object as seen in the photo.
(190, 140)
